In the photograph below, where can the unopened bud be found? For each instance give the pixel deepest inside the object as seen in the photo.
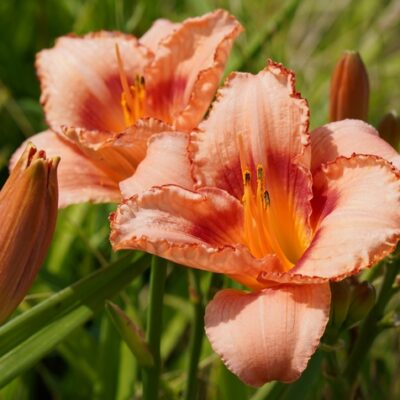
(131, 334)
(349, 93)
(389, 129)
(363, 297)
(28, 212)
(341, 292)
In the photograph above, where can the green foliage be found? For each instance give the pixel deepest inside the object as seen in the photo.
(60, 344)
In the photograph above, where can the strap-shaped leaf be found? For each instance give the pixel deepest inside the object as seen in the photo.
(28, 337)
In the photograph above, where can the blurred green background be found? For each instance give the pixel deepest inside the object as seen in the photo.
(307, 36)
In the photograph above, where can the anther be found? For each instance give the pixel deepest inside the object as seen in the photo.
(260, 172)
(267, 200)
(246, 177)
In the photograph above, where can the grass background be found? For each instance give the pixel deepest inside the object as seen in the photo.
(306, 36)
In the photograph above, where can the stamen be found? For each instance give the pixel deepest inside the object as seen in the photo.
(258, 225)
(132, 97)
(246, 177)
(267, 200)
(124, 80)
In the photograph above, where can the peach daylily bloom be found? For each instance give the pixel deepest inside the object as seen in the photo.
(106, 93)
(28, 210)
(276, 208)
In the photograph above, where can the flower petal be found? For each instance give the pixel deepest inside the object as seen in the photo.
(117, 154)
(270, 334)
(187, 68)
(166, 162)
(346, 137)
(160, 29)
(270, 118)
(80, 79)
(198, 229)
(79, 179)
(356, 217)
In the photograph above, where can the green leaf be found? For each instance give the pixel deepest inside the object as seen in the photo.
(31, 335)
(131, 334)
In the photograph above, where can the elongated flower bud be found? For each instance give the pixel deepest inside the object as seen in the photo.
(28, 212)
(389, 129)
(349, 95)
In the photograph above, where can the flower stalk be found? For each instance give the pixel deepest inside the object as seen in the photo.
(196, 336)
(151, 375)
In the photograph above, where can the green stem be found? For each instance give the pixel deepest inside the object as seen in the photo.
(196, 336)
(369, 329)
(151, 376)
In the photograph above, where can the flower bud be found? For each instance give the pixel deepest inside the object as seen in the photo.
(389, 129)
(131, 334)
(341, 292)
(28, 211)
(362, 300)
(349, 94)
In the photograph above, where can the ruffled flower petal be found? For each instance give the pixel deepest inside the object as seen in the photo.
(197, 229)
(160, 29)
(269, 117)
(347, 137)
(117, 154)
(79, 179)
(80, 80)
(270, 334)
(166, 162)
(356, 217)
(187, 68)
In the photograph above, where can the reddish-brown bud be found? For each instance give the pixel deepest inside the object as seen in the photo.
(349, 93)
(28, 212)
(389, 129)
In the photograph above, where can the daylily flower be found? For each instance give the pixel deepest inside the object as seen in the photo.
(277, 209)
(28, 210)
(106, 93)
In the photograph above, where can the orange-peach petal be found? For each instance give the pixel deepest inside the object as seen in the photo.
(356, 217)
(188, 66)
(197, 229)
(79, 179)
(160, 29)
(270, 334)
(265, 112)
(80, 80)
(117, 154)
(166, 162)
(344, 138)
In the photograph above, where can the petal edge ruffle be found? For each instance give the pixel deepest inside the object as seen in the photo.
(356, 217)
